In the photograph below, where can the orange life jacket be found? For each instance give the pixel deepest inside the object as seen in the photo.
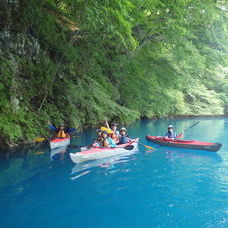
(114, 136)
(61, 134)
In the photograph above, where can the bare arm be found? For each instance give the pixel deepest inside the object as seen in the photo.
(181, 135)
(107, 125)
(106, 144)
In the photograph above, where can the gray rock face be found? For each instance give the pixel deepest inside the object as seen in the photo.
(24, 45)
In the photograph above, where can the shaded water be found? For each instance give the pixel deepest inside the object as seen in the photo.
(166, 187)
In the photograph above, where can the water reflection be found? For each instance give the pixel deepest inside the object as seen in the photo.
(58, 153)
(19, 164)
(172, 153)
(105, 163)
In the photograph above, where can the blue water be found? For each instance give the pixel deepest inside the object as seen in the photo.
(166, 187)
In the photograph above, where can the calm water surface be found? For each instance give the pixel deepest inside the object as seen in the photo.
(166, 187)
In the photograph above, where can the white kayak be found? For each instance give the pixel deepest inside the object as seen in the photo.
(58, 142)
(99, 153)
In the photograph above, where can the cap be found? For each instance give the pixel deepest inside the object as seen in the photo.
(123, 129)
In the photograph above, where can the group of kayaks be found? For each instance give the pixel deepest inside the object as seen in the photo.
(95, 153)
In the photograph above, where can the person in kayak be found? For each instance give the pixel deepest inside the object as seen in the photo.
(98, 139)
(171, 134)
(106, 140)
(113, 127)
(123, 136)
(62, 132)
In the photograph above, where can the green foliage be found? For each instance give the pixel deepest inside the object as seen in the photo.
(114, 59)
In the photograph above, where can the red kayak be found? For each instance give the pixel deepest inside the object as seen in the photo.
(188, 144)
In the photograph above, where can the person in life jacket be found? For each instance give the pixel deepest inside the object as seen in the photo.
(106, 140)
(115, 134)
(171, 134)
(61, 132)
(123, 136)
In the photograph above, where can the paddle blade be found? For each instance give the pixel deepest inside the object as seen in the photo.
(149, 147)
(129, 147)
(70, 130)
(109, 131)
(39, 152)
(39, 140)
(52, 127)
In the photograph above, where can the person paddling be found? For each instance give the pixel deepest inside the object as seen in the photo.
(171, 134)
(62, 132)
(123, 136)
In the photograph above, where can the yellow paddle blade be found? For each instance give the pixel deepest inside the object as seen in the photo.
(39, 152)
(109, 131)
(39, 140)
(149, 147)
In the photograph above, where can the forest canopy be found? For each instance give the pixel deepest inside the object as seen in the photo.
(80, 62)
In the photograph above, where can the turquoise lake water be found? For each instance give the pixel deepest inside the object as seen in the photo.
(166, 187)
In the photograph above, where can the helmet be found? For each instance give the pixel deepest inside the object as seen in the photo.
(104, 132)
(123, 129)
(170, 126)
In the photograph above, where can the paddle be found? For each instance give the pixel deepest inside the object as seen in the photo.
(108, 130)
(128, 147)
(148, 147)
(193, 125)
(39, 139)
(52, 127)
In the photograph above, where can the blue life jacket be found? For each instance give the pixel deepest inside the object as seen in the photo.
(123, 139)
(171, 135)
(111, 142)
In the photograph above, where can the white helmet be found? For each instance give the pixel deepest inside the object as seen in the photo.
(170, 126)
(123, 129)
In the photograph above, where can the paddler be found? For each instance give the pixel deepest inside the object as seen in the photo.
(62, 132)
(106, 140)
(113, 127)
(171, 134)
(98, 139)
(123, 136)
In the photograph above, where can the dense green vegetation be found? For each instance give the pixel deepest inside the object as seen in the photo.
(80, 62)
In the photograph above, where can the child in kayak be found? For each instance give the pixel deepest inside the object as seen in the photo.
(171, 134)
(98, 139)
(106, 140)
(113, 128)
(123, 136)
